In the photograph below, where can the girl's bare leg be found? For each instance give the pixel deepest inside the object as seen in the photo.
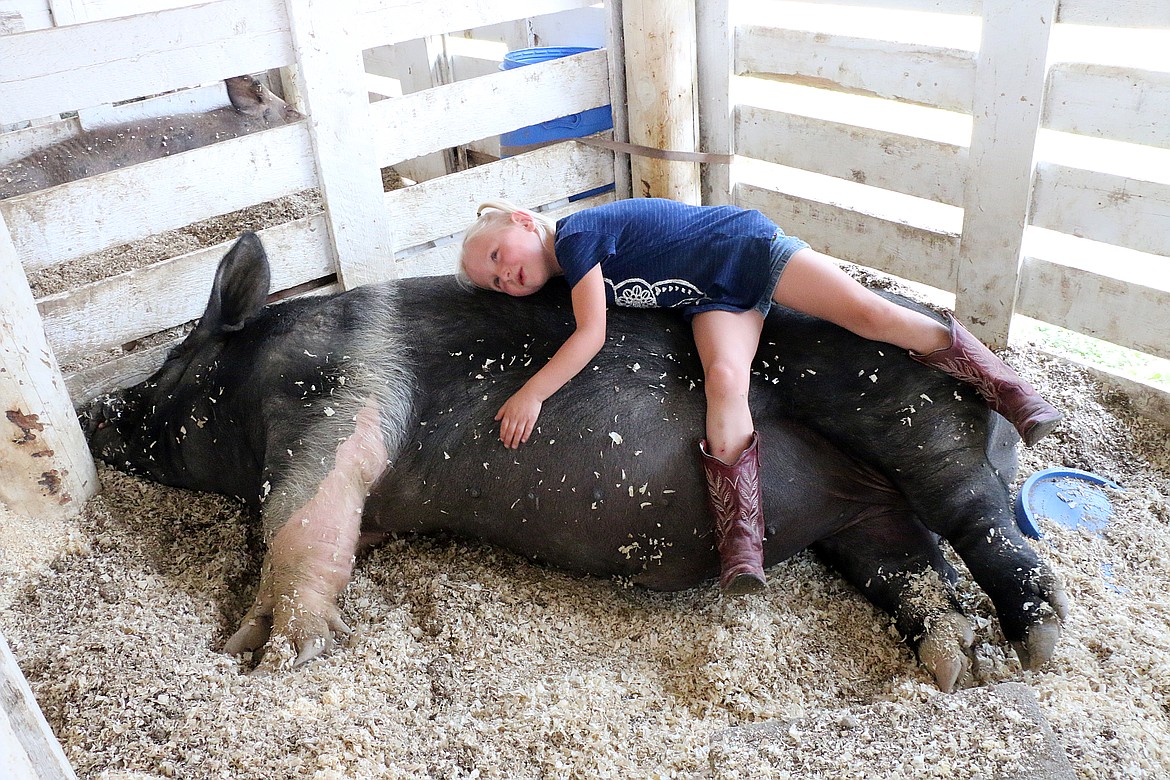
(727, 343)
(814, 284)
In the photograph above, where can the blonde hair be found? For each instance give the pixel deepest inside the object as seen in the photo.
(496, 214)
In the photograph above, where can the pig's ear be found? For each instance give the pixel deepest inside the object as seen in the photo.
(240, 288)
(247, 95)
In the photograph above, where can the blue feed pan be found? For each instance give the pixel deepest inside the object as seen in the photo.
(1070, 497)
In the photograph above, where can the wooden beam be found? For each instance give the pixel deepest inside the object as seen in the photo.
(28, 748)
(942, 77)
(331, 76)
(662, 94)
(1009, 93)
(48, 471)
(716, 53)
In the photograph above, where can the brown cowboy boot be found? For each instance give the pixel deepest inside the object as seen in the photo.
(734, 498)
(969, 360)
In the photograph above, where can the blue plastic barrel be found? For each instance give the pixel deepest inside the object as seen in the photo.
(576, 125)
(573, 126)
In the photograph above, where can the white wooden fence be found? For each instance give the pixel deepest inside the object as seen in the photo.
(998, 185)
(339, 150)
(953, 211)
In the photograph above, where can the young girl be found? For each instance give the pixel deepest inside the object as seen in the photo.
(723, 267)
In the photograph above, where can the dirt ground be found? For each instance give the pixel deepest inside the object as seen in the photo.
(468, 662)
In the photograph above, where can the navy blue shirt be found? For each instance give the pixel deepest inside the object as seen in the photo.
(657, 253)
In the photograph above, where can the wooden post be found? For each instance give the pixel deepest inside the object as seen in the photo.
(1009, 98)
(422, 64)
(28, 748)
(332, 90)
(46, 464)
(662, 94)
(716, 57)
(616, 46)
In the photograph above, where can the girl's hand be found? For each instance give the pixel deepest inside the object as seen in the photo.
(518, 414)
(518, 417)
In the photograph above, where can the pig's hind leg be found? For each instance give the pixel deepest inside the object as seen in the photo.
(895, 561)
(309, 557)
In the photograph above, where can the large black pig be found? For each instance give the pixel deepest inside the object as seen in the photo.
(345, 418)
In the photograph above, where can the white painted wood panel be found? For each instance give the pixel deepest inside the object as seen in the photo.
(94, 10)
(1009, 93)
(1116, 13)
(898, 248)
(20, 143)
(963, 7)
(914, 166)
(913, 73)
(1103, 207)
(75, 219)
(48, 471)
(28, 748)
(662, 96)
(136, 366)
(442, 207)
(93, 318)
(330, 75)
(1132, 315)
(119, 59)
(382, 22)
(454, 114)
(716, 54)
(1121, 104)
(21, 15)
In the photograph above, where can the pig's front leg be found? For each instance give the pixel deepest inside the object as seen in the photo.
(310, 558)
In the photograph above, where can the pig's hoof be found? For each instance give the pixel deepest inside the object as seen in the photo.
(1039, 645)
(307, 631)
(1043, 632)
(252, 634)
(945, 650)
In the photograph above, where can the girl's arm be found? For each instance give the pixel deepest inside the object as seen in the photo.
(518, 414)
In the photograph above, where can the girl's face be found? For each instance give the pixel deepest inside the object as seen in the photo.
(510, 259)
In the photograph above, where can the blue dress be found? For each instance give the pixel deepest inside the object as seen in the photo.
(657, 253)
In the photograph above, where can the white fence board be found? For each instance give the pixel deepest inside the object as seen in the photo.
(330, 76)
(902, 249)
(93, 318)
(380, 22)
(1121, 104)
(915, 73)
(1117, 311)
(93, 10)
(716, 64)
(453, 114)
(61, 223)
(21, 143)
(441, 207)
(135, 366)
(1103, 207)
(1009, 90)
(1116, 13)
(961, 7)
(28, 747)
(46, 465)
(20, 15)
(914, 166)
(118, 59)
